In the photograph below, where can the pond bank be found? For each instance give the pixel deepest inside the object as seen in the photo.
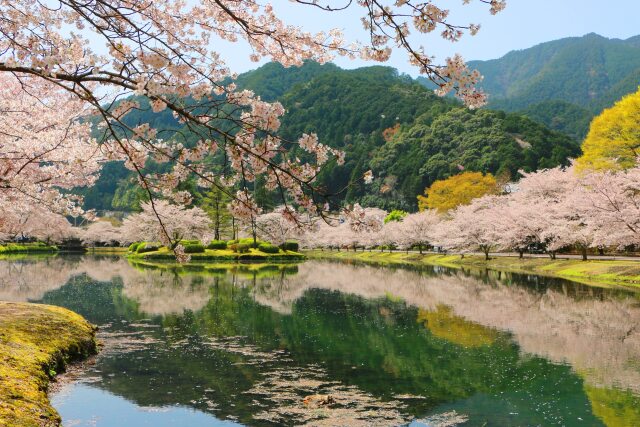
(603, 273)
(27, 248)
(36, 342)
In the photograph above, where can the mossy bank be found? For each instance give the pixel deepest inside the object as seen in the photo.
(37, 342)
(603, 273)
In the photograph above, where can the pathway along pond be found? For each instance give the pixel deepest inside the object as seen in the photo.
(244, 345)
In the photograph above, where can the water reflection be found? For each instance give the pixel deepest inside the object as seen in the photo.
(392, 346)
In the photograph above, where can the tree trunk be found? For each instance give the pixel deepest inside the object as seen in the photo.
(420, 249)
(216, 234)
(521, 253)
(486, 255)
(584, 253)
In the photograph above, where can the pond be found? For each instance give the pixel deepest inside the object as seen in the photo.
(265, 345)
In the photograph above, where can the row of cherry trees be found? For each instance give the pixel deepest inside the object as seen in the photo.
(551, 209)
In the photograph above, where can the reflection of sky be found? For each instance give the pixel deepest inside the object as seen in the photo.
(81, 405)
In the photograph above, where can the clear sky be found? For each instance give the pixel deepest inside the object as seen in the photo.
(524, 23)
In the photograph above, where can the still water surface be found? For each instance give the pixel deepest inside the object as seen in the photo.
(244, 345)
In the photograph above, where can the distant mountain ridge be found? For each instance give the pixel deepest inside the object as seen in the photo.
(562, 83)
(578, 70)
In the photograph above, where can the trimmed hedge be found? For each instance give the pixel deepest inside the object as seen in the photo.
(217, 244)
(249, 241)
(194, 248)
(147, 247)
(290, 245)
(268, 248)
(190, 242)
(134, 246)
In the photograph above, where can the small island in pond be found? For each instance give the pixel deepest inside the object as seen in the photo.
(218, 250)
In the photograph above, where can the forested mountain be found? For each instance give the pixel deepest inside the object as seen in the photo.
(389, 123)
(579, 70)
(586, 73)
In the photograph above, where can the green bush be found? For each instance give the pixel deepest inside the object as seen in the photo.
(268, 248)
(147, 247)
(194, 248)
(232, 242)
(217, 244)
(241, 248)
(249, 241)
(189, 242)
(134, 246)
(290, 245)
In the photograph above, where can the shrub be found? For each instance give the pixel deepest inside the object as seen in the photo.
(217, 244)
(268, 248)
(290, 245)
(147, 247)
(241, 248)
(193, 248)
(249, 241)
(189, 242)
(134, 246)
(232, 242)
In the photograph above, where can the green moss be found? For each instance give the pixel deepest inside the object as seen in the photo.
(36, 342)
(602, 273)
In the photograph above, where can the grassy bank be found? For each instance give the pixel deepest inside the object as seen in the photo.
(20, 248)
(218, 255)
(594, 272)
(36, 342)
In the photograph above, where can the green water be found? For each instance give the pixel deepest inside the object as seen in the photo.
(246, 344)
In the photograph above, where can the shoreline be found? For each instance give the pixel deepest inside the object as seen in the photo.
(601, 273)
(37, 342)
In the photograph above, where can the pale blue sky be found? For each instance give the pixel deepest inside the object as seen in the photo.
(522, 24)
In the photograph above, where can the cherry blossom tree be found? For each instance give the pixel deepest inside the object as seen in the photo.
(178, 223)
(275, 227)
(30, 221)
(102, 233)
(44, 146)
(472, 227)
(614, 205)
(419, 229)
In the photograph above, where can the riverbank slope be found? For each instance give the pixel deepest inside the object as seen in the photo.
(36, 342)
(604, 273)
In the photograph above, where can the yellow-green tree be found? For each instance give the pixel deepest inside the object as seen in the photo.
(457, 190)
(613, 141)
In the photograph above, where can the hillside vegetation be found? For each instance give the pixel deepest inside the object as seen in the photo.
(566, 82)
(383, 121)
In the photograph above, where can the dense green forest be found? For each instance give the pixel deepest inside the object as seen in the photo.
(384, 121)
(587, 73)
